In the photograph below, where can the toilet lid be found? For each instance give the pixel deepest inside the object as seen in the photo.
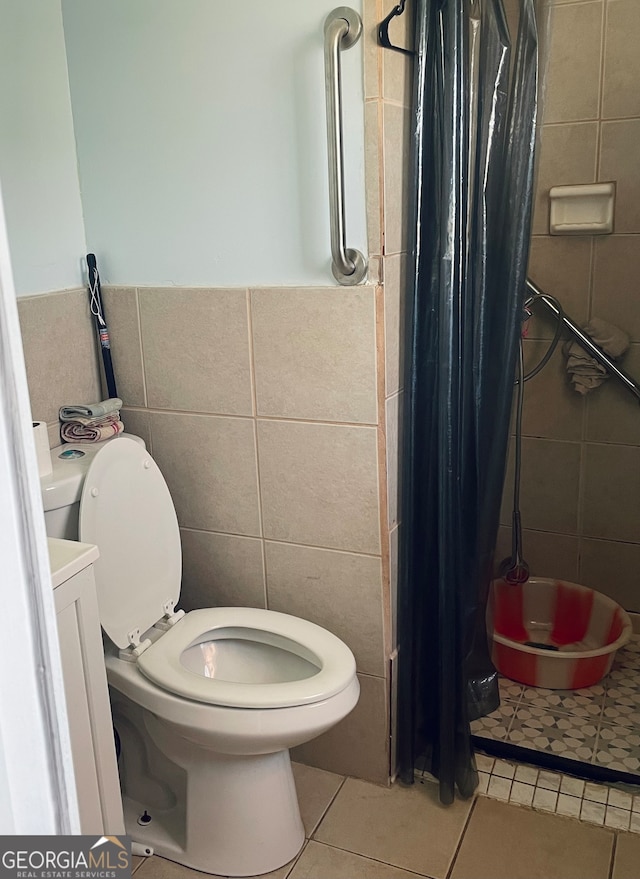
(127, 511)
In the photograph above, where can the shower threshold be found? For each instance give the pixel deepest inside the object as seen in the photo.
(592, 733)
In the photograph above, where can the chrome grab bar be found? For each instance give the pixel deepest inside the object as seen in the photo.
(585, 340)
(342, 29)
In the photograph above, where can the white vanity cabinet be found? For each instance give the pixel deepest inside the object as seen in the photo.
(85, 684)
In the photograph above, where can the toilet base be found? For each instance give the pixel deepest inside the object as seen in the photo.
(240, 817)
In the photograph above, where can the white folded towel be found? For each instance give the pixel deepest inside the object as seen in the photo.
(586, 373)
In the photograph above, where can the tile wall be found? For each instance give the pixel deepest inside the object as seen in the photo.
(581, 455)
(274, 416)
(388, 101)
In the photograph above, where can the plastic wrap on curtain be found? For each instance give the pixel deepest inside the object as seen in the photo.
(475, 126)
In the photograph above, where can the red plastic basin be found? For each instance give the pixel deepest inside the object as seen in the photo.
(555, 634)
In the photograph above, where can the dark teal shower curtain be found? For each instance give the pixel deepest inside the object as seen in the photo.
(475, 126)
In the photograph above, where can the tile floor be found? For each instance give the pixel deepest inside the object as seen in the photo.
(357, 830)
(599, 725)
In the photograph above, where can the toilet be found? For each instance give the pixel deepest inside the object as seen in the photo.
(206, 704)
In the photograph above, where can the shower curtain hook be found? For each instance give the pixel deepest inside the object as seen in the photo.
(383, 30)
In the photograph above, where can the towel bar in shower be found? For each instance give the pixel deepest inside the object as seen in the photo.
(585, 340)
(342, 29)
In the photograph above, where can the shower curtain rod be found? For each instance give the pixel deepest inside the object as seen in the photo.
(584, 339)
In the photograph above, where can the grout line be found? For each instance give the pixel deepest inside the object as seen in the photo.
(462, 836)
(141, 343)
(370, 858)
(254, 407)
(326, 809)
(614, 848)
(275, 418)
(371, 555)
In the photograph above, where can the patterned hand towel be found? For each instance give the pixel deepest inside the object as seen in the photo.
(72, 432)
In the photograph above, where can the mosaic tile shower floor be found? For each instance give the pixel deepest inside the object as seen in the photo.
(598, 725)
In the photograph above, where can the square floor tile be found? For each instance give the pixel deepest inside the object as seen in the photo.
(521, 793)
(526, 774)
(546, 800)
(320, 861)
(596, 793)
(569, 806)
(503, 769)
(618, 819)
(403, 826)
(574, 787)
(593, 813)
(160, 868)
(510, 691)
(618, 748)
(495, 725)
(549, 780)
(316, 788)
(548, 846)
(499, 788)
(554, 732)
(627, 859)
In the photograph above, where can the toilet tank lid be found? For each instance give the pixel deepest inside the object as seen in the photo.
(127, 511)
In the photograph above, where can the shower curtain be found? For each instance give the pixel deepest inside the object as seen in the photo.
(475, 126)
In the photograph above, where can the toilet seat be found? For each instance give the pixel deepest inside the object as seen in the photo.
(161, 663)
(127, 512)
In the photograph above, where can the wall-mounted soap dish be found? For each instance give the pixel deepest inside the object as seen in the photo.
(584, 209)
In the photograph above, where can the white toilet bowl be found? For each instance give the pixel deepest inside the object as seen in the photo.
(208, 703)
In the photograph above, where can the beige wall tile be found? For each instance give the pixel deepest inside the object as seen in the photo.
(62, 367)
(394, 407)
(612, 567)
(373, 177)
(121, 310)
(371, 12)
(560, 266)
(138, 422)
(403, 826)
(316, 789)
(395, 280)
(210, 466)
(621, 96)
(552, 408)
(567, 155)
(611, 492)
(221, 570)
(319, 485)
(549, 486)
(548, 554)
(570, 848)
(397, 68)
(359, 744)
(320, 861)
(627, 857)
(612, 412)
(615, 282)
(573, 78)
(396, 177)
(196, 349)
(619, 162)
(315, 353)
(340, 591)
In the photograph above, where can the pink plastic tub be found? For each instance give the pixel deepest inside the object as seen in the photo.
(554, 634)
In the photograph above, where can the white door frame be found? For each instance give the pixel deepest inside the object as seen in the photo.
(37, 787)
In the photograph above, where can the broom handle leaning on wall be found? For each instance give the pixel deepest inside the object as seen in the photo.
(97, 310)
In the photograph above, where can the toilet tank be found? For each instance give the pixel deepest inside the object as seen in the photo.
(62, 488)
